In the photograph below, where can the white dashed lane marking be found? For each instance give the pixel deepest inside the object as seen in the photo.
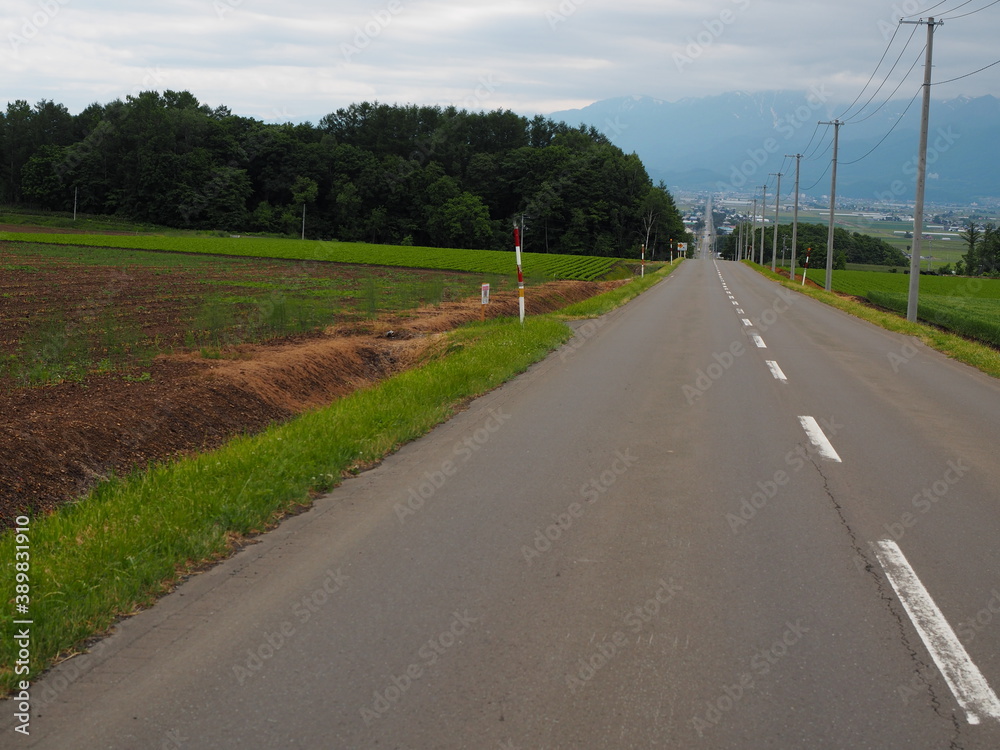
(776, 371)
(819, 439)
(967, 683)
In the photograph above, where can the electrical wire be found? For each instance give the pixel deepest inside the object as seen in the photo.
(898, 86)
(971, 12)
(886, 80)
(826, 150)
(899, 120)
(811, 138)
(806, 190)
(956, 7)
(938, 83)
(924, 12)
(810, 157)
(872, 76)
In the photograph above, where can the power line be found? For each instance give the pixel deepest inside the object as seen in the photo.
(815, 129)
(825, 152)
(806, 190)
(953, 9)
(810, 157)
(971, 12)
(898, 87)
(872, 76)
(890, 130)
(886, 80)
(938, 83)
(924, 12)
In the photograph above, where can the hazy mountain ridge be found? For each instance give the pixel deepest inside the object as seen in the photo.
(732, 141)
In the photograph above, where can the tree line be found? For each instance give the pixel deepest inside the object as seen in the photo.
(422, 175)
(848, 247)
(983, 255)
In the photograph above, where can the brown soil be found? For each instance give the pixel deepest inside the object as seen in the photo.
(57, 442)
(798, 278)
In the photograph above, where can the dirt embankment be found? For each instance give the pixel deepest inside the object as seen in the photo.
(58, 441)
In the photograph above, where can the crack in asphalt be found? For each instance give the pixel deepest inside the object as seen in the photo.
(921, 667)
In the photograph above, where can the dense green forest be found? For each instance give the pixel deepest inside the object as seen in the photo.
(848, 247)
(370, 172)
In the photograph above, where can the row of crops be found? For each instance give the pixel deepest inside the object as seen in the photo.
(967, 306)
(536, 265)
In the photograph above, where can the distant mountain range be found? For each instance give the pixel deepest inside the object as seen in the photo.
(731, 142)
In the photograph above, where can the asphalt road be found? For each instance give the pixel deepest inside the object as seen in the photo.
(635, 544)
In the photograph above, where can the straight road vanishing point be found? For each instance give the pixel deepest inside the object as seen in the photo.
(643, 617)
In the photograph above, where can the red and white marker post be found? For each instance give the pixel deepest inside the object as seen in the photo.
(642, 271)
(520, 273)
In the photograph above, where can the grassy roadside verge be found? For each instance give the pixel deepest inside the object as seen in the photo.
(133, 538)
(969, 352)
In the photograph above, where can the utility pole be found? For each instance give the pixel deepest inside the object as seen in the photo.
(763, 205)
(777, 204)
(833, 202)
(753, 230)
(795, 215)
(918, 209)
(303, 221)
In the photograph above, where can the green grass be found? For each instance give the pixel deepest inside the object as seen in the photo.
(538, 266)
(968, 306)
(64, 220)
(132, 538)
(976, 318)
(859, 283)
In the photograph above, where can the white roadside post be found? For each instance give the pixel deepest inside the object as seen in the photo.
(486, 299)
(520, 273)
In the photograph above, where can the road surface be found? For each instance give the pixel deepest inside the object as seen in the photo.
(714, 519)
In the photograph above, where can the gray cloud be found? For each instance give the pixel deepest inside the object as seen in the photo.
(306, 58)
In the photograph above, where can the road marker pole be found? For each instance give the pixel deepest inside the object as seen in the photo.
(520, 273)
(642, 272)
(805, 268)
(486, 299)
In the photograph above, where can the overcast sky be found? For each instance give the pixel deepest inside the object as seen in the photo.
(296, 59)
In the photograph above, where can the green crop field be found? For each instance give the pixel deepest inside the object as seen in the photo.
(67, 312)
(859, 283)
(968, 306)
(538, 266)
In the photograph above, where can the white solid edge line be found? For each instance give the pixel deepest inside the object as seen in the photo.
(967, 683)
(776, 371)
(759, 342)
(818, 438)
